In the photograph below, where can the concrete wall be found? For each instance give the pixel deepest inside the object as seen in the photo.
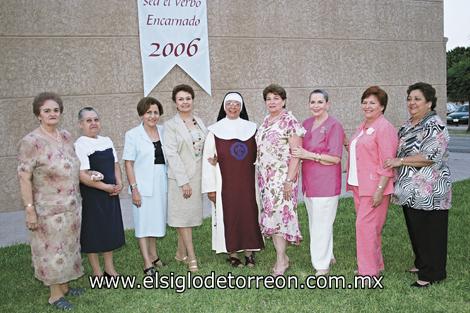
(88, 51)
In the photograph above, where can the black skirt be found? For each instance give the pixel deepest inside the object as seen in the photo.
(102, 228)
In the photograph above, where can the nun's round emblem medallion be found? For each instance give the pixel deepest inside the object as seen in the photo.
(239, 150)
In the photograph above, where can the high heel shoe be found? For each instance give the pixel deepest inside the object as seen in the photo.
(192, 266)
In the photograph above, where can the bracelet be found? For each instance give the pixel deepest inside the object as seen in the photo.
(288, 180)
(29, 205)
(380, 187)
(319, 158)
(133, 186)
(401, 161)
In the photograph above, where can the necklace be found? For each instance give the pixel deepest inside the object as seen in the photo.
(190, 121)
(154, 137)
(61, 150)
(56, 137)
(272, 120)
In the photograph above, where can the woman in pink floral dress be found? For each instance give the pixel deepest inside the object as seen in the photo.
(278, 174)
(48, 171)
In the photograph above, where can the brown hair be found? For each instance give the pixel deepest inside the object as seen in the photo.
(145, 103)
(275, 89)
(182, 87)
(379, 93)
(39, 100)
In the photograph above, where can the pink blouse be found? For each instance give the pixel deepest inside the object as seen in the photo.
(320, 180)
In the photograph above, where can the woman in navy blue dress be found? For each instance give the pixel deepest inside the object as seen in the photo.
(100, 184)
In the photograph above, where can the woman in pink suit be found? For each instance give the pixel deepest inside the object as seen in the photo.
(375, 141)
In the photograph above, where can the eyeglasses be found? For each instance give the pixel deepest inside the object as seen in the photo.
(232, 104)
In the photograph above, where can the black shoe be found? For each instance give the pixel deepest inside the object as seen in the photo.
(150, 271)
(62, 304)
(158, 263)
(250, 260)
(235, 262)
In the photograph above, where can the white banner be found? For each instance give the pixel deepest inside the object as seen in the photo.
(174, 32)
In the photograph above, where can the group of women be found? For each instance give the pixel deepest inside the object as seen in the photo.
(410, 166)
(170, 167)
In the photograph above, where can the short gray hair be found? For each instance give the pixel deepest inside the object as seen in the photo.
(320, 91)
(85, 109)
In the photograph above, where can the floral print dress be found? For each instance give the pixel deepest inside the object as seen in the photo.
(55, 245)
(278, 216)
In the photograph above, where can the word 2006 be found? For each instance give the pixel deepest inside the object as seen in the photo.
(171, 49)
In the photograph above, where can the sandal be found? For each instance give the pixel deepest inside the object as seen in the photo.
(75, 292)
(250, 260)
(235, 262)
(322, 272)
(192, 266)
(181, 260)
(413, 270)
(150, 271)
(62, 304)
(158, 263)
(277, 272)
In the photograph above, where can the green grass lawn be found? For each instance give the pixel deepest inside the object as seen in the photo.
(21, 292)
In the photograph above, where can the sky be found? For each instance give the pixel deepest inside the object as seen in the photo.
(457, 23)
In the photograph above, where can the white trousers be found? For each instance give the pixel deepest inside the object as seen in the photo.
(321, 216)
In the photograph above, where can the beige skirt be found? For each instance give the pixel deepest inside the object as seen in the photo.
(55, 248)
(185, 212)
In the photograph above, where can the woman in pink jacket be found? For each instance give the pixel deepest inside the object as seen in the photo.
(375, 141)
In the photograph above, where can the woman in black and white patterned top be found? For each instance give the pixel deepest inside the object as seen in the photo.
(423, 185)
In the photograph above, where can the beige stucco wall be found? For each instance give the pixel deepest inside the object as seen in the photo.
(88, 51)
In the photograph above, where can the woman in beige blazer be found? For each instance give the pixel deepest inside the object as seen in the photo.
(183, 144)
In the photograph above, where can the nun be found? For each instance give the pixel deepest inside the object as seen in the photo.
(228, 178)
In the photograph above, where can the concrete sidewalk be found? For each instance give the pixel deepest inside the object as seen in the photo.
(13, 229)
